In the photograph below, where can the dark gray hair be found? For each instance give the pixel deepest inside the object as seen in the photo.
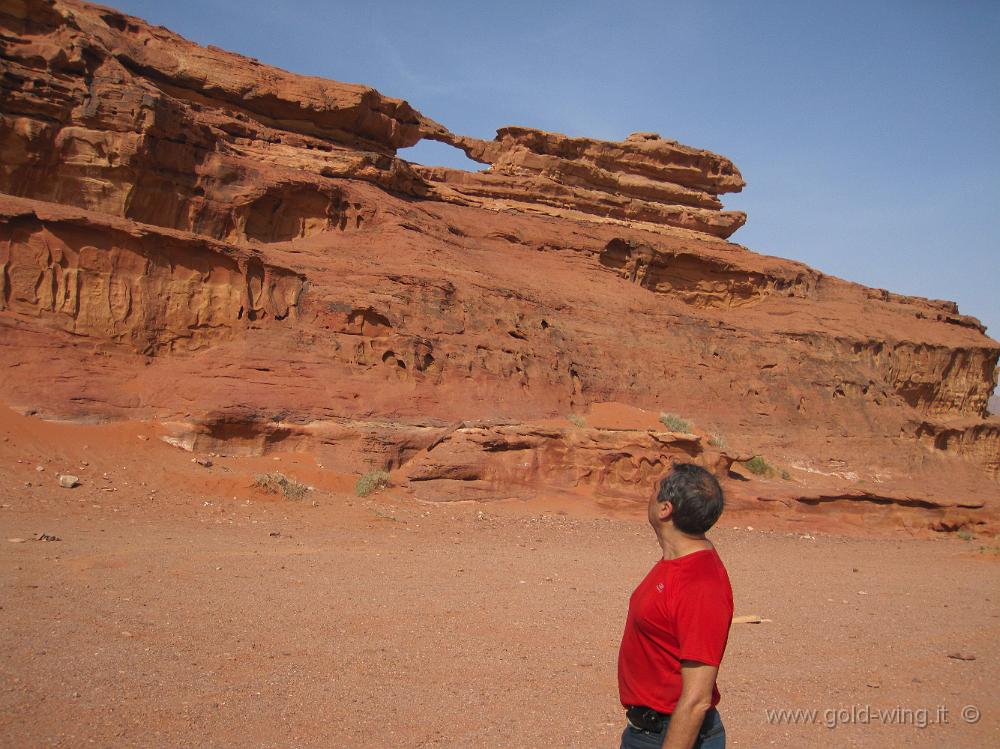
(695, 495)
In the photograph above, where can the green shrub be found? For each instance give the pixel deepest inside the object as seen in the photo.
(675, 423)
(274, 483)
(577, 420)
(965, 534)
(717, 440)
(759, 467)
(371, 482)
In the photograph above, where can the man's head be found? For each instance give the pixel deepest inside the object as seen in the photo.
(689, 498)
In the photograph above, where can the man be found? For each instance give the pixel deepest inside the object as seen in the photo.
(678, 623)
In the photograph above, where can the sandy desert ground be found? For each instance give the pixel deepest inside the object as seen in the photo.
(181, 606)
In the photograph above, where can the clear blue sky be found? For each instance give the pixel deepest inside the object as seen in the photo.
(868, 132)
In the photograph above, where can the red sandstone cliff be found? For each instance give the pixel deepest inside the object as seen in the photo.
(194, 237)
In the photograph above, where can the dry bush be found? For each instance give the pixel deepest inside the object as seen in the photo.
(675, 423)
(279, 483)
(371, 482)
(759, 467)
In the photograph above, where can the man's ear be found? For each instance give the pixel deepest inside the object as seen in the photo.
(664, 510)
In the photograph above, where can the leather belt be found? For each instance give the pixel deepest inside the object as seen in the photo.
(646, 718)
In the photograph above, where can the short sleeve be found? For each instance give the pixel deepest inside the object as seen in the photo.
(703, 615)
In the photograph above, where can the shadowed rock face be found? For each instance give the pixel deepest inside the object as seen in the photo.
(191, 236)
(153, 290)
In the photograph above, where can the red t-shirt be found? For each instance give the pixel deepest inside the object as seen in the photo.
(681, 611)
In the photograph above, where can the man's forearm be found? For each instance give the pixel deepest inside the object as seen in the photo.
(685, 722)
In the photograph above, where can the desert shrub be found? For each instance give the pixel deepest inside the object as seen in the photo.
(759, 467)
(786, 476)
(675, 423)
(965, 534)
(275, 483)
(717, 440)
(577, 420)
(371, 482)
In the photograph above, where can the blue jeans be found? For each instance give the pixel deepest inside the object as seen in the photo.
(711, 736)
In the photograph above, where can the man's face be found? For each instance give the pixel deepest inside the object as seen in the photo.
(655, 508)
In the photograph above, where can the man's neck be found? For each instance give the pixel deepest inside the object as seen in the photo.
(677, 544)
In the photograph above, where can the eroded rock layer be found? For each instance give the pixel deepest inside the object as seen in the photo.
(190, 236)
(644, 179)
(106, 113)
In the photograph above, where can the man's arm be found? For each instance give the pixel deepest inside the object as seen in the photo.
(697, 682)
